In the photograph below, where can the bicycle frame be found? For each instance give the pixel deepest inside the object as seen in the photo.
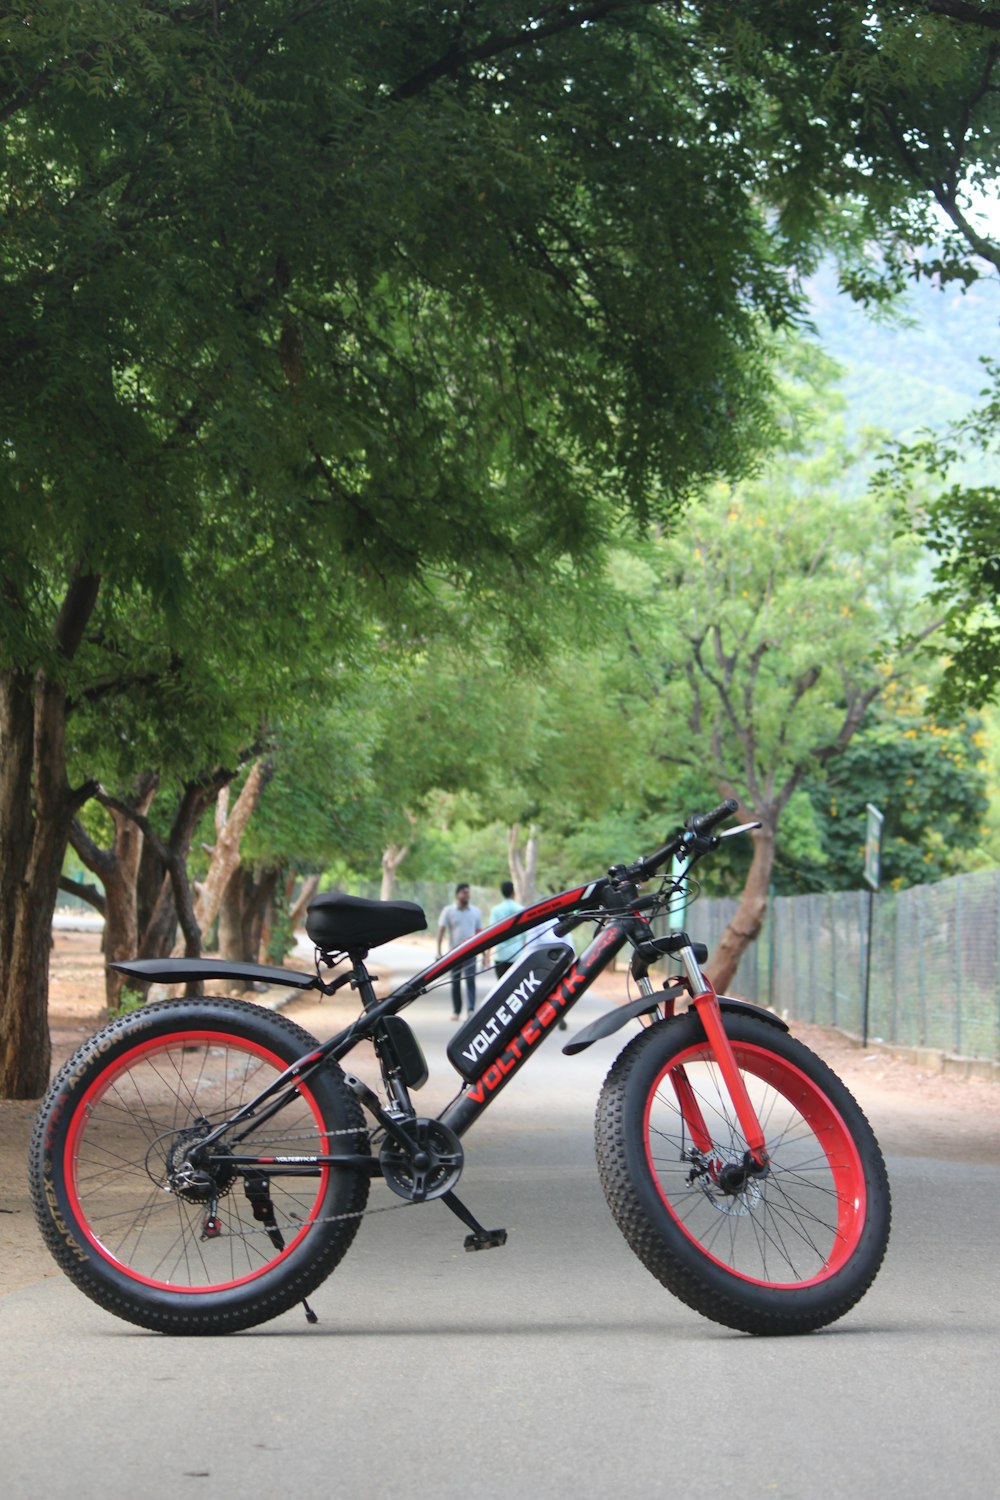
(476, 1095)
(206, 1100)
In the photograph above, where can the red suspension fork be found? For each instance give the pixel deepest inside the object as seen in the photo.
(707, 1005)
(690, 1109)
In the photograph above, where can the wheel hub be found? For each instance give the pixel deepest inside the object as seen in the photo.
(731, 1186)
(189, 1176)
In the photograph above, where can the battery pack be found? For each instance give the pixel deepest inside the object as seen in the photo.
(507, 1007)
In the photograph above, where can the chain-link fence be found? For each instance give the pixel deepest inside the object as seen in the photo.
(935, 962)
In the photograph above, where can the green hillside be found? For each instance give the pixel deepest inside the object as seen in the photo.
(921, 373)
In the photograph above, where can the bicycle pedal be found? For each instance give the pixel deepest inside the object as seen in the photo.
(486, 1239)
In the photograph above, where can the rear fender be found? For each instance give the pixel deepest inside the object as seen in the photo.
(183, 970)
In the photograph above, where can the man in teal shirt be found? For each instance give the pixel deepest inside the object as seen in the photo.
(505, 953)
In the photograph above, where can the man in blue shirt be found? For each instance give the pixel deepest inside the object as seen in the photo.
(505, 953)
(461, 921)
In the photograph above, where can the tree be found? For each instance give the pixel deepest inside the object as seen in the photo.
(927, 779)
(309, 305)
(304, 307)
(768, 655)
(117, 867)
(960, 526)
(888, 117)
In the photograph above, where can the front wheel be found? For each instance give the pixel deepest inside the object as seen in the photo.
(786, 1250)
(179, 1237)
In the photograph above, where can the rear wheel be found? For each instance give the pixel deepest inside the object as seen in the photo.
(785, 1250)
(174, 1236)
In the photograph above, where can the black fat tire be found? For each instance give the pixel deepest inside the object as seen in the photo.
(227, 1307)
(675, 1258)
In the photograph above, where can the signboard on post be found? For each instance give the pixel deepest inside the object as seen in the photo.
(873, 845)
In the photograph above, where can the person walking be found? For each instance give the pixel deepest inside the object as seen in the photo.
(505, 953)
(460, 921)
(543, 937)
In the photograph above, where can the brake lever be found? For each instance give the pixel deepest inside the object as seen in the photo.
(730, 833)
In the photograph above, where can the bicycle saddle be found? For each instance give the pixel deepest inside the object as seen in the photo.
(348, 924)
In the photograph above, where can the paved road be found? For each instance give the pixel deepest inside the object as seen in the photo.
(555, 1366)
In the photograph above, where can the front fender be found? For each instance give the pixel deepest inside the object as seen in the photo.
(614, 1019)
(747, 1008)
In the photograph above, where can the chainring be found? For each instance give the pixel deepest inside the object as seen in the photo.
(431, 1170)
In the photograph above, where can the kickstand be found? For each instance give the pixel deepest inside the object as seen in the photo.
(480, 1238)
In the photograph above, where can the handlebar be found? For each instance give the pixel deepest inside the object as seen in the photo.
(697, 827)
(693, 839)
(700, 823)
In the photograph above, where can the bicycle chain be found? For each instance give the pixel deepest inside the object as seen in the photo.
(357, 1213)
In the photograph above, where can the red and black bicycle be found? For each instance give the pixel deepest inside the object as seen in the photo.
(202, 1165)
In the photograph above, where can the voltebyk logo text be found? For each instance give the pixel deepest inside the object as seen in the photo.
(502, 1017)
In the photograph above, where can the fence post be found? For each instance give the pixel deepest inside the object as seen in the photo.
(868, 966)
(831, 911)
(922, 967)
(959, 939)
(771, 944)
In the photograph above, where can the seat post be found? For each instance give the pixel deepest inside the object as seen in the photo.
(362, 980)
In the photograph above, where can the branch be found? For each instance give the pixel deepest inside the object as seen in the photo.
(858, 706)
(77, 608)
(722, 692)
(114, 804)
(88, 893)
(94, 857)
(804, 684)
(567, 18)
(966, 14)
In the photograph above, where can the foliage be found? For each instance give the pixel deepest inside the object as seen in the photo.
(927, 780)
(771, 608)
(887, 117)
(128, 1001)
(961, 528)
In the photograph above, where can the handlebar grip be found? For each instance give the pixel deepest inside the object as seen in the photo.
(701, 823)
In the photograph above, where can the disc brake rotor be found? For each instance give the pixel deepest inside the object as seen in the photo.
(738, 1204)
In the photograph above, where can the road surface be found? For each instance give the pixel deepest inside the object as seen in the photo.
(555, 1366)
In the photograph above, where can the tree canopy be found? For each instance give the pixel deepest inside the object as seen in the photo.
(305, 310)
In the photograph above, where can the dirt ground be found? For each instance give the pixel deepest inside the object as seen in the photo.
(913, 1111)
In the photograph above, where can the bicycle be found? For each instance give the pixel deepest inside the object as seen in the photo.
(201, 1165)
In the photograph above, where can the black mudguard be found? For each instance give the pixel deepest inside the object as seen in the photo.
(747, 1008)
(614, 1019)
(182, 970)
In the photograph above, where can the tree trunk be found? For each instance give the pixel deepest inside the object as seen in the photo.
(230, 827)
(523, 864)
(118, 870)
(156, 900)
(749, 915)
(36, 810)
(246, 915)
(262, 916)
(232, 916)
(297, 914)
(148, 891)
(392, 858)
